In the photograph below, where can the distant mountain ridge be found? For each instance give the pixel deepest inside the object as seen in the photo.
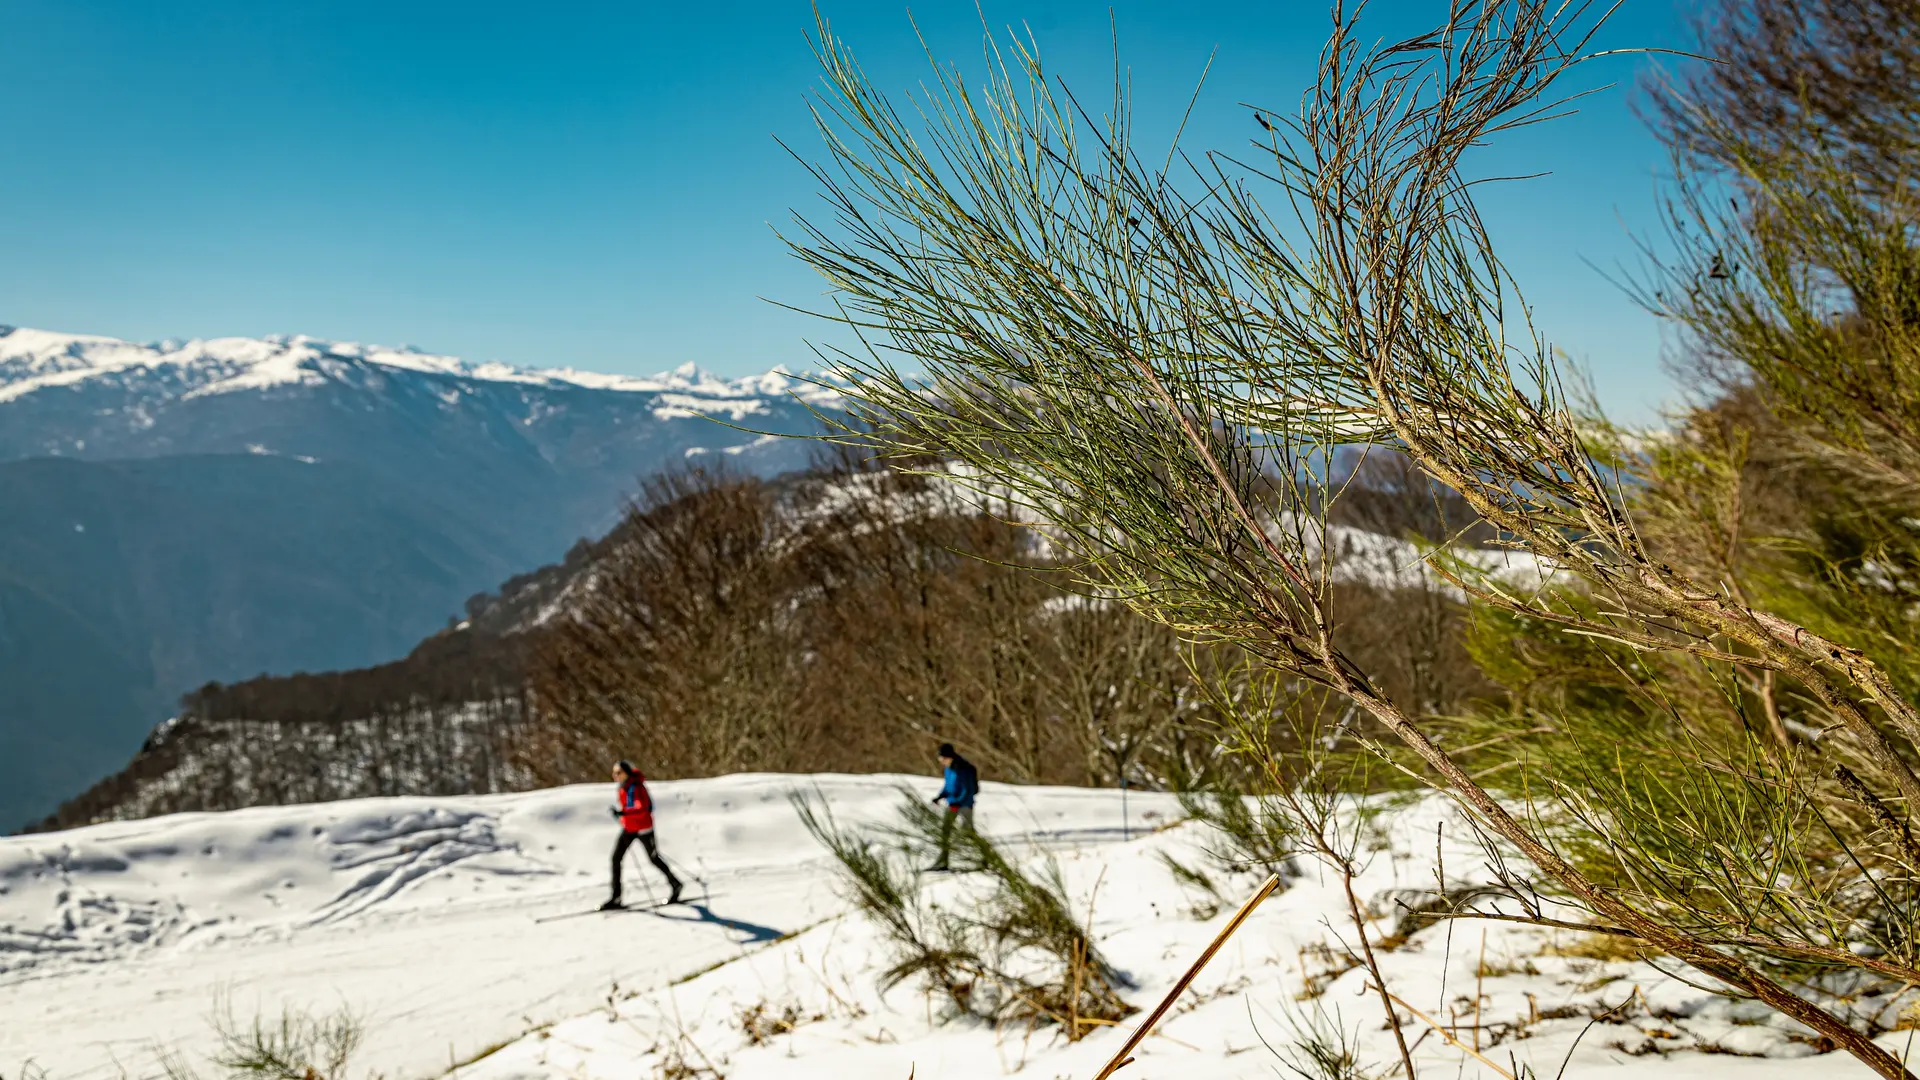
(114, 398)
(33, 360)
(233, 506)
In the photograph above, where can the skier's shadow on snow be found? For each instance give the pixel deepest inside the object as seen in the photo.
(754, 931)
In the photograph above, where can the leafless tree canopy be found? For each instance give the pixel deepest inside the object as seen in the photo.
(854, 618)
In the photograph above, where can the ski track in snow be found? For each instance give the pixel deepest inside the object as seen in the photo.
(394, 853)
(119, 940)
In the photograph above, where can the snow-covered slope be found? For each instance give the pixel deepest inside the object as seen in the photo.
(419, 915)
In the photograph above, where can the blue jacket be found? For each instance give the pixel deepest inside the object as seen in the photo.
(963, 783)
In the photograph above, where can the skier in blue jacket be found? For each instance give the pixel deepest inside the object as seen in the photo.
(963, 783)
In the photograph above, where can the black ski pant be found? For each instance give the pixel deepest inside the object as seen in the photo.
(620, 847)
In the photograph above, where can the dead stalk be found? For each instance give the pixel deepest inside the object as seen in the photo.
(1233, 926)
(1479, 983)
(1441, 1030)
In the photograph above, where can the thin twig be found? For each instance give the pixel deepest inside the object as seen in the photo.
(1373, 964)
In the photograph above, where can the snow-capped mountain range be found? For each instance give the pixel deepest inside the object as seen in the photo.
(36, 365)
(582, 437)
(177, 512)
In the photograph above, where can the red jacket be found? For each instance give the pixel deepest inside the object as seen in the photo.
(636, 806)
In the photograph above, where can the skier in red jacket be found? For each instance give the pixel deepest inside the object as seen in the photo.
(635, 813)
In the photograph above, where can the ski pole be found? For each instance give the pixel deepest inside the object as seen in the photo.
(705, 893)
(644, 883)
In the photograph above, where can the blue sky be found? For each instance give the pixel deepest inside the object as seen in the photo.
(595, 184)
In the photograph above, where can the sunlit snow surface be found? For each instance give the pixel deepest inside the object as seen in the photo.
(419, 914)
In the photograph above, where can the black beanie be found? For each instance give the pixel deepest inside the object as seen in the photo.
(946, 750)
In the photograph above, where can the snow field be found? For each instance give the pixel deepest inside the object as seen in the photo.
(809, 1008)
(415, 913)
(418, 914)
